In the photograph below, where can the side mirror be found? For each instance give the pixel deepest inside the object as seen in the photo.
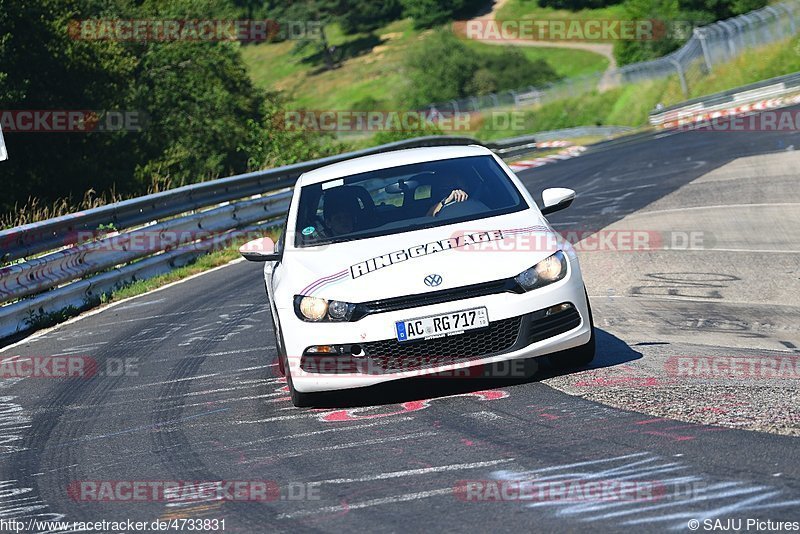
(556, 199)
(262, 249)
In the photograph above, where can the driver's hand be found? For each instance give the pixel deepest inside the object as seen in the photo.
(457, 195)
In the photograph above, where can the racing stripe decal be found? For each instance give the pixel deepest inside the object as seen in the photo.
(323, 281)
(332, 279)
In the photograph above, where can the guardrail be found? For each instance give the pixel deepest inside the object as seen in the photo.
(70, 262)
(765, 94)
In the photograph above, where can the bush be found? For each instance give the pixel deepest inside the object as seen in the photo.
(443, 68)
(699, 12)
(429, 13)
(440, 68)
(577, 5)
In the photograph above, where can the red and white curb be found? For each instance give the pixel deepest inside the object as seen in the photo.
(705, 116)
(553, 144)
(568, 153)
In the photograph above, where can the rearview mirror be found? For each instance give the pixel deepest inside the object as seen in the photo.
(556, 199)
(262, 249)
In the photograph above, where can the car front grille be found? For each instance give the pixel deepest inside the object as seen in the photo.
(391, 355)
(483, 289)
(505, 335)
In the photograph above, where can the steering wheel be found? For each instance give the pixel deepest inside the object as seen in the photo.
(470, 206)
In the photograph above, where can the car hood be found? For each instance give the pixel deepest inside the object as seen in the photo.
(389, 266)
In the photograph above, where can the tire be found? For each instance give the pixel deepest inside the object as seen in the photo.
(279, 348)
(579, 356)
(299, 399)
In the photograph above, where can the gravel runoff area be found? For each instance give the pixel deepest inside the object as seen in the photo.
(717, 327)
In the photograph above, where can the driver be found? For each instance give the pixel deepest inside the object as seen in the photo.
(458, 193)
(340, 209)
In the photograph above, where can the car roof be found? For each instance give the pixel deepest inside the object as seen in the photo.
(390, 159)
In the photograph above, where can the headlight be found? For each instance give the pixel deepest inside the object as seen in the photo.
(313, 309)
(547, 271)
(317, 309)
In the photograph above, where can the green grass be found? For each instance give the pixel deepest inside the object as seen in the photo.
(630, 105)
(370, 80)
(566, 62)
(203, 263)
(373, 78)
(530, 9)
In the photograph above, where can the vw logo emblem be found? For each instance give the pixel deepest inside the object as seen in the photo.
(433, 280)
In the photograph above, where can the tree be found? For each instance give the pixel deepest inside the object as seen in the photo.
(439, 69)
(429, 13)
(205, 117)
(442, 68)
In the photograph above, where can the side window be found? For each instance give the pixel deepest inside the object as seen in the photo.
(422, 192)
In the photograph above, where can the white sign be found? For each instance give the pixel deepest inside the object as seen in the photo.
(3, 153)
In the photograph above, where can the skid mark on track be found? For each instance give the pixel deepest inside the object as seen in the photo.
(330, 448)
(153, 426)
(16, 502)
(13, 423)
(567, 415)
(708, 500)
(367, 504)
(379, 422)
(356, 414)
(414, 472)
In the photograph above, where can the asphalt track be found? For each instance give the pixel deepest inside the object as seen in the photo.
(205, 404)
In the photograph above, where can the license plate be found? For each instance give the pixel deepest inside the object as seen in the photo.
(446, 324)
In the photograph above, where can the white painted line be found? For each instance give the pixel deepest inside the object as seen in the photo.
(151, 384)
(351, 445)
(366, 504)
(380, 422)
(692, 299)
(715, 206)
(140, 304)
(412, 472)
(304, 415)
(489, 416)
(178, 314)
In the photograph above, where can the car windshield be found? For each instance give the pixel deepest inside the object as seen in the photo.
(400, 199)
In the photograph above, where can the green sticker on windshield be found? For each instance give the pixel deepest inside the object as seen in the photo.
(308, 230)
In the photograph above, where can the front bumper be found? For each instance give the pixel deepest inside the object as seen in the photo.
(515, 319)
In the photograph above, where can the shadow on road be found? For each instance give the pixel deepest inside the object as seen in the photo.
(610, 351)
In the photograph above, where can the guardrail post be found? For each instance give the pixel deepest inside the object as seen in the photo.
(764, 26)
(701, 35)
(731, 34)
(791, 17)
(681, 76)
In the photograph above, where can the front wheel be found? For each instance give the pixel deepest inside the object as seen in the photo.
(299, 399)
(579, 356)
